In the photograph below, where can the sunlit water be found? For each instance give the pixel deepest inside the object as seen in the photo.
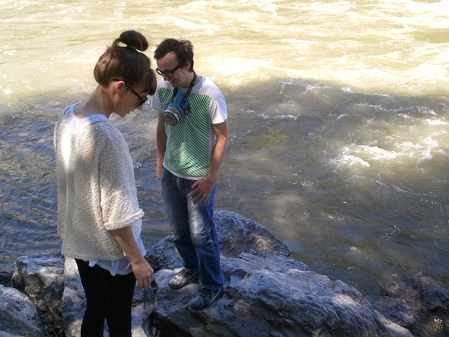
(338, 116)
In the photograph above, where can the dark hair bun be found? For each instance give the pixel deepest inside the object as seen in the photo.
(132, 39)
(125, 60)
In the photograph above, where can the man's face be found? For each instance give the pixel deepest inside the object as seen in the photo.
(169, 67)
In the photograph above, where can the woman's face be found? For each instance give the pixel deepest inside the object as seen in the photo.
(129, 99)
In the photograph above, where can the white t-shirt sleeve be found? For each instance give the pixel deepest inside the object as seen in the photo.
(218, 109)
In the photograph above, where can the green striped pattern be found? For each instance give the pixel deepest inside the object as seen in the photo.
(187, 151)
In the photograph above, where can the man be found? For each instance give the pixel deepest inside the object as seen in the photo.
(192, 136)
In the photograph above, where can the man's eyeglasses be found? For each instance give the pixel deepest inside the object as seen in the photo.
(140, 99)
(168, 73)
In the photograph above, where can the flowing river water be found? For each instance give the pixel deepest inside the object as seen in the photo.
(338, 115)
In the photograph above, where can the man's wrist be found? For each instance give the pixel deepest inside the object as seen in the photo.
(212, 177)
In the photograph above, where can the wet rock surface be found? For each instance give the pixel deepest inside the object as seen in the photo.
(267, 293)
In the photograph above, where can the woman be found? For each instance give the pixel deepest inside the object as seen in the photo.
(99, 219)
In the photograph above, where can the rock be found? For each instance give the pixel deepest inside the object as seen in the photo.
(5, 279)
(6, 334)
(41, 277)
(393, 329)
(395, 309)
(236, 234)
(19, 316)
(423, 293)
(419, 303)
(73, 300)
(266, 293)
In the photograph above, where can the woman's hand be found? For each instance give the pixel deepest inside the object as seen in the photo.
(143, 272)
(141, 268)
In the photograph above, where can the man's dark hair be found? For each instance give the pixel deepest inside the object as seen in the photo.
(182, 48)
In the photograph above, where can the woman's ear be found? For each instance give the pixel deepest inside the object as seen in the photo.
(118, 87)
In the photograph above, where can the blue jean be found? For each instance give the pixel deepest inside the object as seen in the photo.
(194, 229)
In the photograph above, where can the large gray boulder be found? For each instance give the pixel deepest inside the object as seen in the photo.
(236, 234)
(419, 303)
(41, 277)
(5, 279)
(19, 316)
(266, 293)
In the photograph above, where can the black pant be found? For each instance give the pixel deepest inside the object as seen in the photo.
(108, 297)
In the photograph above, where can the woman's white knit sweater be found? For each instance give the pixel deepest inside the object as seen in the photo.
(96, 189)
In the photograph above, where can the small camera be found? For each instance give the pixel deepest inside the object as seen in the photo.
(177, 110)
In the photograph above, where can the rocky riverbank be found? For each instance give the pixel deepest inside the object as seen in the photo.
(267, 293)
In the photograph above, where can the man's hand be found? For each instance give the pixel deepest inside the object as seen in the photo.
(202, 189)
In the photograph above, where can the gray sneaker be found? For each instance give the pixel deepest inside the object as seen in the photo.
(205, 298)
(183, 278)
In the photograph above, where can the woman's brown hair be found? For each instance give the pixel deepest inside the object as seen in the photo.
(126, 61)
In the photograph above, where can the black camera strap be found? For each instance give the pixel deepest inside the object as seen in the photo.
(175, 91)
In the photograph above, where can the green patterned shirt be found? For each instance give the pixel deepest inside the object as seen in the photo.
(190, 142)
